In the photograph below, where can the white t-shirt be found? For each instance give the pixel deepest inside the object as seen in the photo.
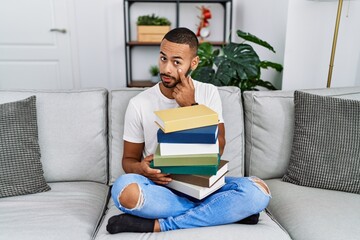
(140, 126)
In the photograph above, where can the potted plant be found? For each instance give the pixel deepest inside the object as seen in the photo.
(237, 64)
(154, 71)
(152, 28)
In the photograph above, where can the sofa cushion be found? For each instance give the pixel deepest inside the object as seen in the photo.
(71, 210)
(267, 228)
(20, 166)
(234, 130)
(72, 126)
(232, 114)
(269, 127)
(118, 102)
(313, 213)
(325, 151)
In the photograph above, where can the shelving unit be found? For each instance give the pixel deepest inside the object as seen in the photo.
(130, 44)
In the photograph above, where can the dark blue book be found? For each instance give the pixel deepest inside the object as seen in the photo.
(206, 134)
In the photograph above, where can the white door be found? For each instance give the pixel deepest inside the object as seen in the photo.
(35, 45)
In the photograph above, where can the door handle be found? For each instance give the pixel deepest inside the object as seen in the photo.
(58, 30)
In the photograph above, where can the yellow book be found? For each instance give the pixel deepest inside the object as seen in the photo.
(177, 119)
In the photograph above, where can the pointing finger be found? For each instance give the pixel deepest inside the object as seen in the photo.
(182, 76)
(149, 158)
(191, 83)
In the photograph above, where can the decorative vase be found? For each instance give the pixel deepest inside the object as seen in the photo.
(155, 79)
(151, 33)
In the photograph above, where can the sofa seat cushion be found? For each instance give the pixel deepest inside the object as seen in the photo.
(71, 210)
(267, 228)
(313, 213)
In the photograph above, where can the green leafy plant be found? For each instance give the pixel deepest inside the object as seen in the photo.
(154, 70)
(148, 20)
(235, 64)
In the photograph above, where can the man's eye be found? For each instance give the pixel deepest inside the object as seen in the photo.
(176, 62)
(163, 58)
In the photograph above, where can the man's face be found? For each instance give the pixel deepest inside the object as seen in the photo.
(172, 57)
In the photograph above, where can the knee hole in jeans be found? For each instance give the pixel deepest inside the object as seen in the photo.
(131, 197)
(261, 184)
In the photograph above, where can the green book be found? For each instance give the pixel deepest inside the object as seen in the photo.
(207, 170)
(185, 160)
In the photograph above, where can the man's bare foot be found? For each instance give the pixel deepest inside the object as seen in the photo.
(157, 226)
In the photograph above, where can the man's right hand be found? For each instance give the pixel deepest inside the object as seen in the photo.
(154, 175)
(184, 92)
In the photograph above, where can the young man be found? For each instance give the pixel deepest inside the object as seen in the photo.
(140, 194)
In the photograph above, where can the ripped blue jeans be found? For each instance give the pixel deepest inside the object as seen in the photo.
(236, 200)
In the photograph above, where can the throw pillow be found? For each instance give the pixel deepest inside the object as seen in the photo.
(325, 152)
(20, 167)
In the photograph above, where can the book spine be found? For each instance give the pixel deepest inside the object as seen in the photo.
(192, 179)
(205, 135)
(173, 149)
(190, 123)
(201, 180)
(185, 160)
(182, 162)
(176, 137)
(206, 170)
(196, 191)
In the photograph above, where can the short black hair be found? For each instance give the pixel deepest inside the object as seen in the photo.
(183, 36)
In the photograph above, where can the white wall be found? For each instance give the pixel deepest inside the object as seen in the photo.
(309, 38)
(266, 20)
(100, 39)
(98, 28)
(299, 30)
(97, 35)
(263, 18)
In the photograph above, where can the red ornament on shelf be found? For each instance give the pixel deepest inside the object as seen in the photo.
(203, 29)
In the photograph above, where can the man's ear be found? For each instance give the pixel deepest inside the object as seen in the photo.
(194, 63)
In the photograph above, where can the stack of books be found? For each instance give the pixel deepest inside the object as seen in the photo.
(188, 149)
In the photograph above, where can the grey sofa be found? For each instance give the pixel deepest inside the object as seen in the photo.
(80, 136)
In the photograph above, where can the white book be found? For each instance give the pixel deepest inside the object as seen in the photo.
(171, 149)
(194, 190)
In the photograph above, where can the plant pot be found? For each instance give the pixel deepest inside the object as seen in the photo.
(151, 33)
(155, 79)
